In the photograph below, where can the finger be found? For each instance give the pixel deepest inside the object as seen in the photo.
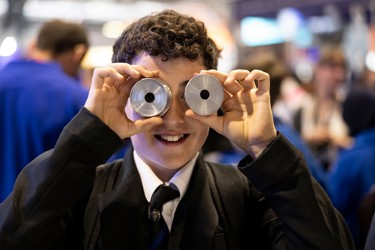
(237, 75)
(241, 77)
(230, 85)
(146, 72)
(128, 72)
(117, 75)
(145, 124)
(100, 74)
(261, 77)
(217, 74)
(134, 71)
(227, 96)
(212, 121)
(125, 69)
(236, 79)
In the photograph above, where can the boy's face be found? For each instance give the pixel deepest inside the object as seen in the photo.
(169, 146)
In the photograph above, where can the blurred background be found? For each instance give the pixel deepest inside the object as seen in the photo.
(293, 29)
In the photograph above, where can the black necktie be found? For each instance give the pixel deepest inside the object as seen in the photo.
(159, 229)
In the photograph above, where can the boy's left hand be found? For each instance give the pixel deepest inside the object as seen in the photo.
(247, 120)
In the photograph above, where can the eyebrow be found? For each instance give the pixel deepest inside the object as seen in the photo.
(182, 86)
(184, 83)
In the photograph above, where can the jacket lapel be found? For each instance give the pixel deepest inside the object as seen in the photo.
(123, 210)
(196, 219)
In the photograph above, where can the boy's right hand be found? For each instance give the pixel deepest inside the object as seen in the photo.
(109, 93)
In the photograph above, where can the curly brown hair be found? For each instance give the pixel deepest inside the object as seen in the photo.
(168, 34)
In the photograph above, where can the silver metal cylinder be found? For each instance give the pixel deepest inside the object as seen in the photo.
(204, 94)
(150, 97)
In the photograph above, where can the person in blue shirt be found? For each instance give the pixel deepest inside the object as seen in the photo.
(39, 94)
(353, 173)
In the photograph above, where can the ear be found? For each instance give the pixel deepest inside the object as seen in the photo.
(79, 52)
(30, 49)
(71, 59)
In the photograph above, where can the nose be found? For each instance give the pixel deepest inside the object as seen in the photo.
(176, 112)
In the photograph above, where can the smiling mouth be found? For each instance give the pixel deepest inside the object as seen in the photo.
(171, 138)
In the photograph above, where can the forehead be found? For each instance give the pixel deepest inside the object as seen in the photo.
(172, 70)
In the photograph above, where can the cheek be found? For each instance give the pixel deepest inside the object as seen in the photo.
(184, 104)
(201, 132)
(141, 143)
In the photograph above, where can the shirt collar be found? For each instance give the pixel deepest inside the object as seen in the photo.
(150, 181)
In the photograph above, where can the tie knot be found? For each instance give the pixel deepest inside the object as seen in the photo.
(161, 195)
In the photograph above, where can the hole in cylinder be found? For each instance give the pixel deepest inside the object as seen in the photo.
(205, 94)
(149, 97)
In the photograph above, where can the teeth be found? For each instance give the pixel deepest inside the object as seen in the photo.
(171, 138)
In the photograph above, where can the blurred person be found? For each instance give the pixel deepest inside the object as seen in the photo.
(279, 72)
(39, 94)
(292, 96)
(370, 241)
(67, 199)
(367, 78)
(320, 119)
(353, 173)
(365, 213)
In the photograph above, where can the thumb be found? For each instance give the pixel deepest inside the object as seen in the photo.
(213, 121)
(145, 124)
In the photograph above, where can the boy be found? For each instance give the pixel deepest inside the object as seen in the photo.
(272, 204)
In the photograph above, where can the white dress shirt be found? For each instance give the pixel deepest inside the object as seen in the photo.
(150, 182)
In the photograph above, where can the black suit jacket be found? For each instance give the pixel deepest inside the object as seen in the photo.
(62, 200)
(200, 222)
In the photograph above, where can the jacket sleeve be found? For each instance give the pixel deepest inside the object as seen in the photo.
(308, 217)
(40, 208)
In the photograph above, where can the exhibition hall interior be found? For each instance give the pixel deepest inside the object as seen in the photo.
(318, 54)
(294, 29)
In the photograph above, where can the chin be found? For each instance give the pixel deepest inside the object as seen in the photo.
(169, 163)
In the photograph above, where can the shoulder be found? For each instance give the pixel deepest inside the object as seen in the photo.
(105, 179)
(111, 168)
(224, 171)
(228, 180)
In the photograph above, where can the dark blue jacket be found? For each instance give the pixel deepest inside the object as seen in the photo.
(352, 177)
